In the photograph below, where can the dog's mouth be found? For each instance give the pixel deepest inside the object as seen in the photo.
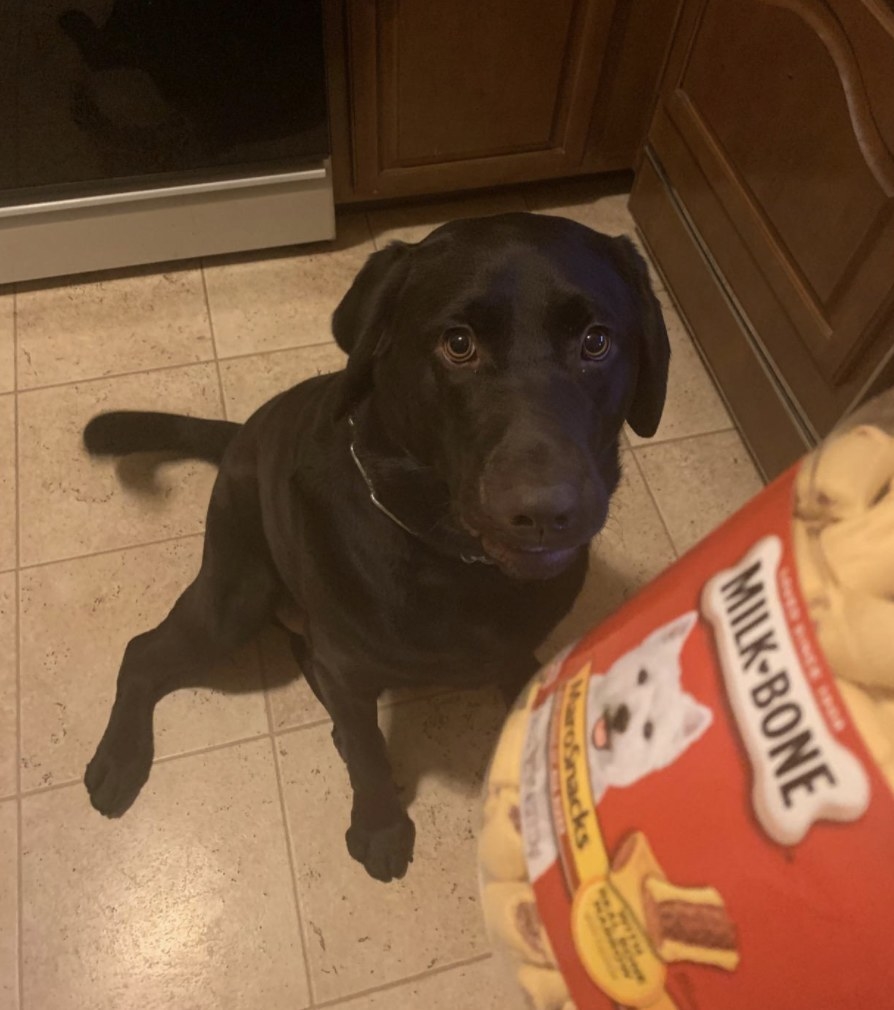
(532, 562)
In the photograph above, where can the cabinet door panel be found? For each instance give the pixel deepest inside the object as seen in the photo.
(784, 107)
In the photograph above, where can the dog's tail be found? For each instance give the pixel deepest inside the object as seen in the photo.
(124, 431)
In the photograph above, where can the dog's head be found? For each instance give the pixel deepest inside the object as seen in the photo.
(640, 718)
(506, 353)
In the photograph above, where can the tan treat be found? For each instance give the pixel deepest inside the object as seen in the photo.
(545, 987)
(689, 924)
(859, 551)
(856, 632)
(510, 911)
(500, 849)
(812, 575)
(867, 716)
(885, 710)
(845, 476)
(505, 768)
(632, 863)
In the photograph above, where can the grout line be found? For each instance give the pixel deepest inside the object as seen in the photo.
(274, 734)
(116, 375)
(169, 368)
(167, 758)
(653, 443)
(296, 895)
(369, 231)
(220, 390)
(20, 899)
(110, 550)
(654, 501)
(279, 350)
(418, 977)
(182, 365)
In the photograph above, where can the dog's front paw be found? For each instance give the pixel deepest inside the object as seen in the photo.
(117, 773)
(387, 851)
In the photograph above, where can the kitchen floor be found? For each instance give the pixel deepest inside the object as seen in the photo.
(228, 885)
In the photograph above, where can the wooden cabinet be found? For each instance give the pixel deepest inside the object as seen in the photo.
(431, 96)
(767, 197)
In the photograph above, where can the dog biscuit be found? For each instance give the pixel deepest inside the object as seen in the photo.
(689, 924)
(510, 911)
(856, 632)
(500, 848)
(544, 987)
(846, 475)
(884, 707)
(866, 713)
(633, 862)
(505, 768)
(812, 573)
(859, 551)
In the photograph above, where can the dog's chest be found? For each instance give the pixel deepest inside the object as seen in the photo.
(414, 613)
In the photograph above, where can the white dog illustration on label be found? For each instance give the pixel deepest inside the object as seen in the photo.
(639, 718)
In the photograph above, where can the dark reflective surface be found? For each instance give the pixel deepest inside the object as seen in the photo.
(104, 94)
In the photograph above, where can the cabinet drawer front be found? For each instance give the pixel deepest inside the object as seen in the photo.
(444, 91)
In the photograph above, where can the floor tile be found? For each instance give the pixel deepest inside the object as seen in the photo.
(7, 685)
(693, 405)
(9, 954)
(631, 550)
(598, 204)
(699, 482)
(77, 616)
(70, 504)
(7, 482)
(292, 703)
(111, 323)
(250, 382)
(484, 985)
(7, 338)
(411, 223)
(186, 901)
(267, 302)
(361, 933)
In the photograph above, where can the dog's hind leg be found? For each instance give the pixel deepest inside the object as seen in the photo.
(227, 603)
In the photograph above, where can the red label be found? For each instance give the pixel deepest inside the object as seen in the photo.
(703, 825)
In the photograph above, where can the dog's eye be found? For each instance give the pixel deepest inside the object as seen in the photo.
(642, 676)
(596, 344)
(648, 729)
(459, 346)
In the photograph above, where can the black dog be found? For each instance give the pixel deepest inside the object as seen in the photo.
(422, 516)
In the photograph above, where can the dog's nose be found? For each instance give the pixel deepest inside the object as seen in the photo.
(620, 718)
(537, 510)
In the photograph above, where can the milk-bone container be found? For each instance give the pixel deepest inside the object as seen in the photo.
(693, 807)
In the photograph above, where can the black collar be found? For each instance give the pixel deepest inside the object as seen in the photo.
(408, 493)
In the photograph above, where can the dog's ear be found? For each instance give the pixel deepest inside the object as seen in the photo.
(696, 719)
(674, 634)
(360, 322)
(654, 352)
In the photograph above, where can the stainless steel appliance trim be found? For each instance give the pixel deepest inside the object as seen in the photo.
(169, 226)
(158, 192)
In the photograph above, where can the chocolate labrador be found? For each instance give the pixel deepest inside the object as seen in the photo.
(422, 516)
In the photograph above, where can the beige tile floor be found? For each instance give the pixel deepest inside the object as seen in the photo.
(227, 885)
